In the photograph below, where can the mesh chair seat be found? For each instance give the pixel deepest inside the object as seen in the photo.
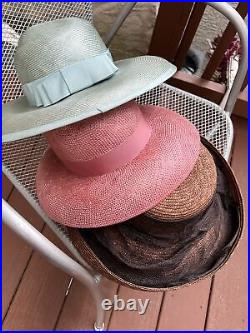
(21, 158)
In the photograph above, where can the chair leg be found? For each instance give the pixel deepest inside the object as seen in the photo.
(56, 256)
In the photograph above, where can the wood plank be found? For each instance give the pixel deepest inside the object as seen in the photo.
(193, 84)
(185, 308)
(229, 302)
(240, 154)
(167, 34)
(6, 187)
(79, 312)
(228, 306)
(132, 320)
(189, 33)
(245, 83)
(40, 295)
(227, 37)
(209, 90)
(241, 105)
(15, 252)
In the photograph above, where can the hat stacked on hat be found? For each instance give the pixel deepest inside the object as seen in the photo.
(113, 167)
(166, 247)
(68, 74)
(146, 201)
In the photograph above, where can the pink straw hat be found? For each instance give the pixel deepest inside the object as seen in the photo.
(114, 166)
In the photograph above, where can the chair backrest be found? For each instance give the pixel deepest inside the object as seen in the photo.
(176, 27)
(16, 18)
(173, 34)
(182, 34)
(20, 158)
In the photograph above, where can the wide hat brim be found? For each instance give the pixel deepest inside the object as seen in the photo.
(208, 255)
(134, 77)
(89, 202)
(193, 196)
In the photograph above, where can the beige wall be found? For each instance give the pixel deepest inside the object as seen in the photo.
(211, 24)
(134, 37)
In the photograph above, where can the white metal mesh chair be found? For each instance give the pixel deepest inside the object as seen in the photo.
(21, 158)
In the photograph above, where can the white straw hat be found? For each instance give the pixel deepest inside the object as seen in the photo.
(68, 75)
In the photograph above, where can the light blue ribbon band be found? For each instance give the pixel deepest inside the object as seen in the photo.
(68, 80)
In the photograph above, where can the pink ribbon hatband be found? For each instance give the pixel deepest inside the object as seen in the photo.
(116, 158)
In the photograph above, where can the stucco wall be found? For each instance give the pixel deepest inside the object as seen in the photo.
(211, 24)
(134, 37)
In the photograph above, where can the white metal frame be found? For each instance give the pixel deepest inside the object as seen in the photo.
(54, 255)
(78, 268)
(234, 17)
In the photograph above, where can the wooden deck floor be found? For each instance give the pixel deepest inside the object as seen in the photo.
(34, 291)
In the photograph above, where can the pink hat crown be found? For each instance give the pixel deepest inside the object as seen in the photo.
(113, 138)
(142, 154)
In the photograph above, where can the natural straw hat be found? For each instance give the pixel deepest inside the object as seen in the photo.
(145, 254)
(112, 167)
(68, 75)
(192, 196)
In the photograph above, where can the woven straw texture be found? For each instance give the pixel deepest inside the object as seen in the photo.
(193, 196)
(145, 254)
(164, 163)
(47, 47)
(71, 39)
(95, 137)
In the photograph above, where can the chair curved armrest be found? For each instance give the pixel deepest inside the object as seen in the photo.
(234, 17)
(57, 257)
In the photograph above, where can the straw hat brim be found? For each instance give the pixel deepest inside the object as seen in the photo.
(95, 255)
(134, 77)
(193, 196)
(90, 202)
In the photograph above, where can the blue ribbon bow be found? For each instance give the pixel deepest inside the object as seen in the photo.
(68, 80)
